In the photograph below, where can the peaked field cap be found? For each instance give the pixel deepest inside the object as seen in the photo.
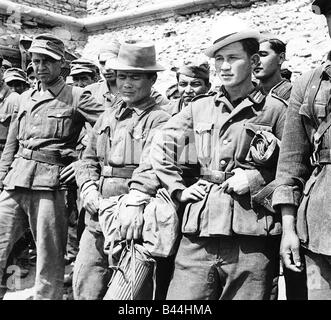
(82, 65)
(229, 29)
(135, 55)
(110, 48)
(194, 70)
(14, 74)
(49, 45)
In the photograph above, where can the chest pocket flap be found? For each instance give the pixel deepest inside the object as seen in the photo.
(202, 127)
(59, 113)
(254, 127)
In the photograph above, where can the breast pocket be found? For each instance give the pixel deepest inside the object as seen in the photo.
(104, 142)
(203, 140)
(59, 122)
(247, 134)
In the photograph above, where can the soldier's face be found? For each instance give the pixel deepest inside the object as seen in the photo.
(233, 65)
(82, 79)
(18, 86)
(133, 86)
(189, 87)
(46, 68)
(270, 62)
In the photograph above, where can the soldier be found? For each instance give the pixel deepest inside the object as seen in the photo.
(229, 248)
(105, 91)
(83, 72)
(120, 141)
(16, 80)
(302, 192)
(192, 80)
(36, 166)
(31, 76)
(268, 71)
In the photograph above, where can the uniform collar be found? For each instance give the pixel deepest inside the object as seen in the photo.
(55, 88)
(327, 68)
(256, 96)
(140, 108)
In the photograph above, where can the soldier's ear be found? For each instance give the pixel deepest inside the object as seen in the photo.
(255, 59)
(281, 58)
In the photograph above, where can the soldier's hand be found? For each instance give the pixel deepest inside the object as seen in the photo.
(131, 222)
(67, 174)
(238, 183)
(195, 192)
(289, 251)
(91, 200)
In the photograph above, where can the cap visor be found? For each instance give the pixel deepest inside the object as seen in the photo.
(12, 78)
(79, 71)
(46, 52)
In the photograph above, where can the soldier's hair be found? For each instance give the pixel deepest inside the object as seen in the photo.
(206, 81)
(150, 75)
(276, 45)
(251, 46)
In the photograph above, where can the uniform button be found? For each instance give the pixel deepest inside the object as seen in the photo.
(222, 162)
(58, 115)
(225, 142)
(31, 139)
(36, 115)
(230, 120)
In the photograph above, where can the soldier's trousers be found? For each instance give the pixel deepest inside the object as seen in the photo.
(46, 214)
(234, 267)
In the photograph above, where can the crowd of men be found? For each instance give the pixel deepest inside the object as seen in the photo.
(244, 166)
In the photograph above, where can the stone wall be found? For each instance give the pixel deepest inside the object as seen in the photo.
(184, 37)
(101, 7)
(74, 8)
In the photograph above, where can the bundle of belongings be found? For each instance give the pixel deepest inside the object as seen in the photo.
(133, 263)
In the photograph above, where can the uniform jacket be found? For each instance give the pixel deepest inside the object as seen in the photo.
(295, 174)
(49, 122)
(222, 136)
(120, 138)
(101, 93)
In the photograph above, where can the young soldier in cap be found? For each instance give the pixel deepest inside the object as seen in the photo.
(36, 166)
(229, 248)
(119, 143)
(105, 91)
(16, 79)
(268, 71)
(192, 80)
(303, 174)
(83, 72)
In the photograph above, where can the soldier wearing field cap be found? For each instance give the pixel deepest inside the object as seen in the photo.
(118, 146)
(83, 72)
(303, 176)
(192, 80)
(229, 248)
(16, 79)
(36, 168)
(105, 90)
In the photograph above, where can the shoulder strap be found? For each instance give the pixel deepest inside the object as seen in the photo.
(313, 86)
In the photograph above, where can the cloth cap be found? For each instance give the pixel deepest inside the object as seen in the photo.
(109, 50)
(135, 55)
(321, 6)
(227, 30)
(82, 66)
(194, 70)
(49, 45)
(14, 74)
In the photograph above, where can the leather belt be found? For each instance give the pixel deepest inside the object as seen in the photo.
(117, 172)
(44, 156)
(215, 176)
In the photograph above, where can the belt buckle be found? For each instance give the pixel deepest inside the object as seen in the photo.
(27, 153)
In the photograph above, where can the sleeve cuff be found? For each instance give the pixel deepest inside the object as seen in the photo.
(289, 195)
